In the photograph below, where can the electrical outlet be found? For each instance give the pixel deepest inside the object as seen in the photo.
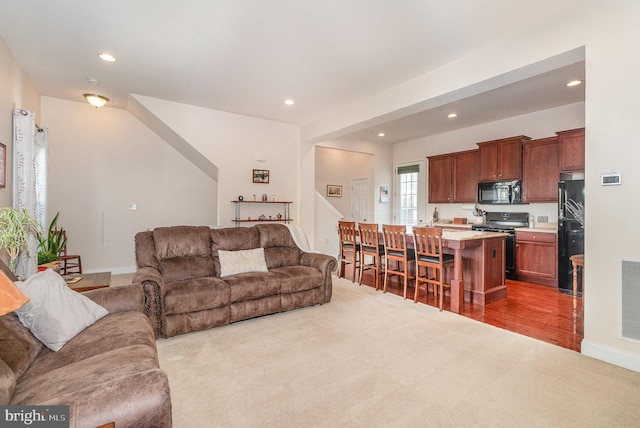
(543, 219)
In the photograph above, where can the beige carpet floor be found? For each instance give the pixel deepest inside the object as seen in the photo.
(369, 359)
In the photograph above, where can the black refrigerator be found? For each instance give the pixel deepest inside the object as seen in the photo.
(570, 233)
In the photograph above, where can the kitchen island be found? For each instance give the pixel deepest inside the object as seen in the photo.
(481, 257)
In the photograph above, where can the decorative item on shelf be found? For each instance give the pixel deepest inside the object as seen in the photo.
(14, 227)
(279, 216)
(274, 198)
(262, 217)
(265, 198)
(254, 196)
(241, 198)
(270, 218)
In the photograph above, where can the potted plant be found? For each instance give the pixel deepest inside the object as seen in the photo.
(14, 228)
(50, 242)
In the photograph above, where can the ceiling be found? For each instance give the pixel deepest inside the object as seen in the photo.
(248, 56)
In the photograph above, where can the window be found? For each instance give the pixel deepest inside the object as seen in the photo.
(409, 201)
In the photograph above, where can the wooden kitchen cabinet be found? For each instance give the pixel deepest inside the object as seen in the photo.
(501, 160)
(440, 169)
(540, 170)
(571, 145)
(453, 177)
(537, 257)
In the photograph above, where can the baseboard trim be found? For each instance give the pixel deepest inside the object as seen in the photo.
(611, 355)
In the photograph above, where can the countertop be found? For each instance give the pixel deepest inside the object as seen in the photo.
(466, 235)
(547, 228)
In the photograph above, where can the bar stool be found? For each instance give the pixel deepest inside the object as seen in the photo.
(395, 250)
(349, 248)
(370, 246)
(428, 247)
(577, 261)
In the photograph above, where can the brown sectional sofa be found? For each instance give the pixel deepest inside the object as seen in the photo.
(180, 265)
(107, 373)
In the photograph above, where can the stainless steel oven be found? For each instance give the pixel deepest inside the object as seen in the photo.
(505, 222)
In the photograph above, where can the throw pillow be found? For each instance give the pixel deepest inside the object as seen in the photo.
(55, 314)
(241, 261)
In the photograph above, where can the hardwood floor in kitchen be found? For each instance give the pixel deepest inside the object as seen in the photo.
(530, 309)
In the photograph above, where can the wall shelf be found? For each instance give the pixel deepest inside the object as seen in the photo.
(286, 218)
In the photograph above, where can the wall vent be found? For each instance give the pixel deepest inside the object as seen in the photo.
(630, 299)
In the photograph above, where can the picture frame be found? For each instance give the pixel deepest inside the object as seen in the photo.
(3, 165)
(261, 176)
(334, 191)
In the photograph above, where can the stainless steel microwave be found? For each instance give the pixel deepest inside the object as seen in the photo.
(500, 192)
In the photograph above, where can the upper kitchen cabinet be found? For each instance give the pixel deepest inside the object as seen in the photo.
(571, 144)
(501, 160)
(453, 177)
(540, 170)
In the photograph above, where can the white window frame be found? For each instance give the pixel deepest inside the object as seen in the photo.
(421, 192)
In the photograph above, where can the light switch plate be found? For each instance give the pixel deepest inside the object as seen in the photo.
(543, 219)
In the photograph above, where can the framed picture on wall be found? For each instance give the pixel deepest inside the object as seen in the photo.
(334, 191)
(3, 165)
(261, 176)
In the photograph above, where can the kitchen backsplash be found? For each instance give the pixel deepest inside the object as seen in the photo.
(450, 211)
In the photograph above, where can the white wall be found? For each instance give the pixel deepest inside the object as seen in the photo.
(100, 161)
(339, 167)
(16, 91)
(235, 144)
(535, 125)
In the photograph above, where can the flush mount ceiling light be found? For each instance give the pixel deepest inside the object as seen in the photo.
(96, 100)
(381, 134)
(574, 83)
(107, 57)
(452, 115)
(289, 102)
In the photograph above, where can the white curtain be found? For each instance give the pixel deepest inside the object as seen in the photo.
(29, 180)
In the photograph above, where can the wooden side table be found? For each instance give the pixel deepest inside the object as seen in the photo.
(88, 281)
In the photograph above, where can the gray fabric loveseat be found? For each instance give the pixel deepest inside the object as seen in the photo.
(196, 286)
(107, 373)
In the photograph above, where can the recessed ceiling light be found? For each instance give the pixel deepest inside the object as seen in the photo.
(452, 115)
(93, 80)
(107, 57)
(381, 134)
(289, 102)
(574, 83)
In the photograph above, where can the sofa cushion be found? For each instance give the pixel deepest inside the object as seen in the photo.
(124, 385)
(55, 313)
(18, 346)
(298, 278)
(232, 239)
(253, 285)
(7, 383)
(279, 246)
(241, 261)
(183, 252)
(114, 331)
(195, 295)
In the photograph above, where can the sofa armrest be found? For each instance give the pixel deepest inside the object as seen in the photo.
(154, 288)
(325, 264)
(119, 299)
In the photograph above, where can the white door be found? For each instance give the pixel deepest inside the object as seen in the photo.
(360, 200)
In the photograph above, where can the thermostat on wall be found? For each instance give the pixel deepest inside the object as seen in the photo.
(610, 178)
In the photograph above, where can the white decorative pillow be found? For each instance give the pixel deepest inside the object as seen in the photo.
(241, 261)
(55, 314)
